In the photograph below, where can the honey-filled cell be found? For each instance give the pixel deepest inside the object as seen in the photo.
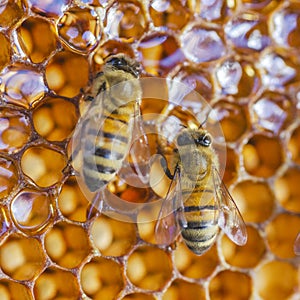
(67, 244)
(5, 51)
(247, 256)
(279, 69)
(130, 23)
(232, 118)
(149, 268)
(49, 9)
(79, 29)
(113, 237)
(67, 73)
(102, 278)
(276, 280)
(255, 200)
(238, 78)
(8, 177)
(194, 266)
(285, 33)
(228, 285)
(287, 189)
(172, 14)
(71, 201)
(37, 38)
(253, 32)
(10, 289)
(272, 112)
(294, 145)
(183, 290)
(201, 44)
(138, 296)
(262, 155)
(281, 233)
(22, 258)
(198, 80)
(43, 165)
(32, 211)
(159, 53)
(55, 119)
(11, 13)
(22, 86)
(56, 284)
(15, 130)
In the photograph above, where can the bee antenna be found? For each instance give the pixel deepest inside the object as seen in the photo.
(201, 125)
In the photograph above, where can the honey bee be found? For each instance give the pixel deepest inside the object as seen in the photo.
(297, 245)
(197, 197)
(111, 123)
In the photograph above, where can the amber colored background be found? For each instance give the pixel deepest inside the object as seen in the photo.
(242, 56)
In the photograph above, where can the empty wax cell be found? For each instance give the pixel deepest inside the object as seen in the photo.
(43, 165)
(113, 237)
(37, 38)
(149, 268)
(55, 283)
(102, 278)
(55, 119)
(22, 258)
(67, 244)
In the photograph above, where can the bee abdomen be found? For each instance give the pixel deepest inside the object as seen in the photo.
(199, 237)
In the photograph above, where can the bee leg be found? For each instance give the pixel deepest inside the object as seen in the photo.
(163, 163)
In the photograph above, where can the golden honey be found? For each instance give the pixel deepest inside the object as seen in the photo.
(241, 57)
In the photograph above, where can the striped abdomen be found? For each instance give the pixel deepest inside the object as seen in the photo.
(201, 229)
(107, 144)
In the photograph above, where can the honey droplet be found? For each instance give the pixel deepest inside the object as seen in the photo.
(79, 29)
(22, 86)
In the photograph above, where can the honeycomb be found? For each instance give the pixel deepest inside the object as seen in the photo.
(241, 56)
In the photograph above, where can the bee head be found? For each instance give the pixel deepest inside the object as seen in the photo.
(124, 63)
(194, 137)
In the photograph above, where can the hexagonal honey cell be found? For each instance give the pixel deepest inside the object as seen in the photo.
(22, 258)
(241, 57)
(102, 278)
(67, 244)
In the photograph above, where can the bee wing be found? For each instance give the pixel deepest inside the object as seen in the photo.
(297, 245)
(136, 168)
(230, 219)
(167, 227)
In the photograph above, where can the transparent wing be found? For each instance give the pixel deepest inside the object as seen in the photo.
(297, 245)
(136, 167)
(230, 219)
(167, 227)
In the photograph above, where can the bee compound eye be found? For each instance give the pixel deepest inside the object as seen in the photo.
(207, 140)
